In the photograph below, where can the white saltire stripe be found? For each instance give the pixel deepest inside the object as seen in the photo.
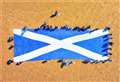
(56, 44)
(35, 36)
(86, 36)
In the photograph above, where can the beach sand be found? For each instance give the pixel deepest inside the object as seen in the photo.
(78, 13)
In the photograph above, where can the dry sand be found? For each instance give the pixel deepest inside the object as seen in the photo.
(83, 13)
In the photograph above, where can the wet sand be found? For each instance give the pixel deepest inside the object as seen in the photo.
(97, 14)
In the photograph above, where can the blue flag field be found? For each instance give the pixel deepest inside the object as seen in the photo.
(61, 43)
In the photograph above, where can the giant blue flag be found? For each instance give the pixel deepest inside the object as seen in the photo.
(46, 43)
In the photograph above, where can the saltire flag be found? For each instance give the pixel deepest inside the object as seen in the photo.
(46, 43)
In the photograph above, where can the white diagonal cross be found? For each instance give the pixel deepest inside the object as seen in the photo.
(56, 44)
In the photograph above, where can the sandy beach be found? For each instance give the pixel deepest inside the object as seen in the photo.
(99, 14)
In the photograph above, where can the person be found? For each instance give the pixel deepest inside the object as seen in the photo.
(76, 28)
(9, 62)
(24, 30)
(82, 28)
(65, 63)
(88, 27)
(107, 44)
(10, 38)
(19, 63)
(106, 28)
(85, 61)
(10, 47)
(60, 61)
(93, 30)
(108, 35)
(44, 61)
(111, 43)
(54, 14)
